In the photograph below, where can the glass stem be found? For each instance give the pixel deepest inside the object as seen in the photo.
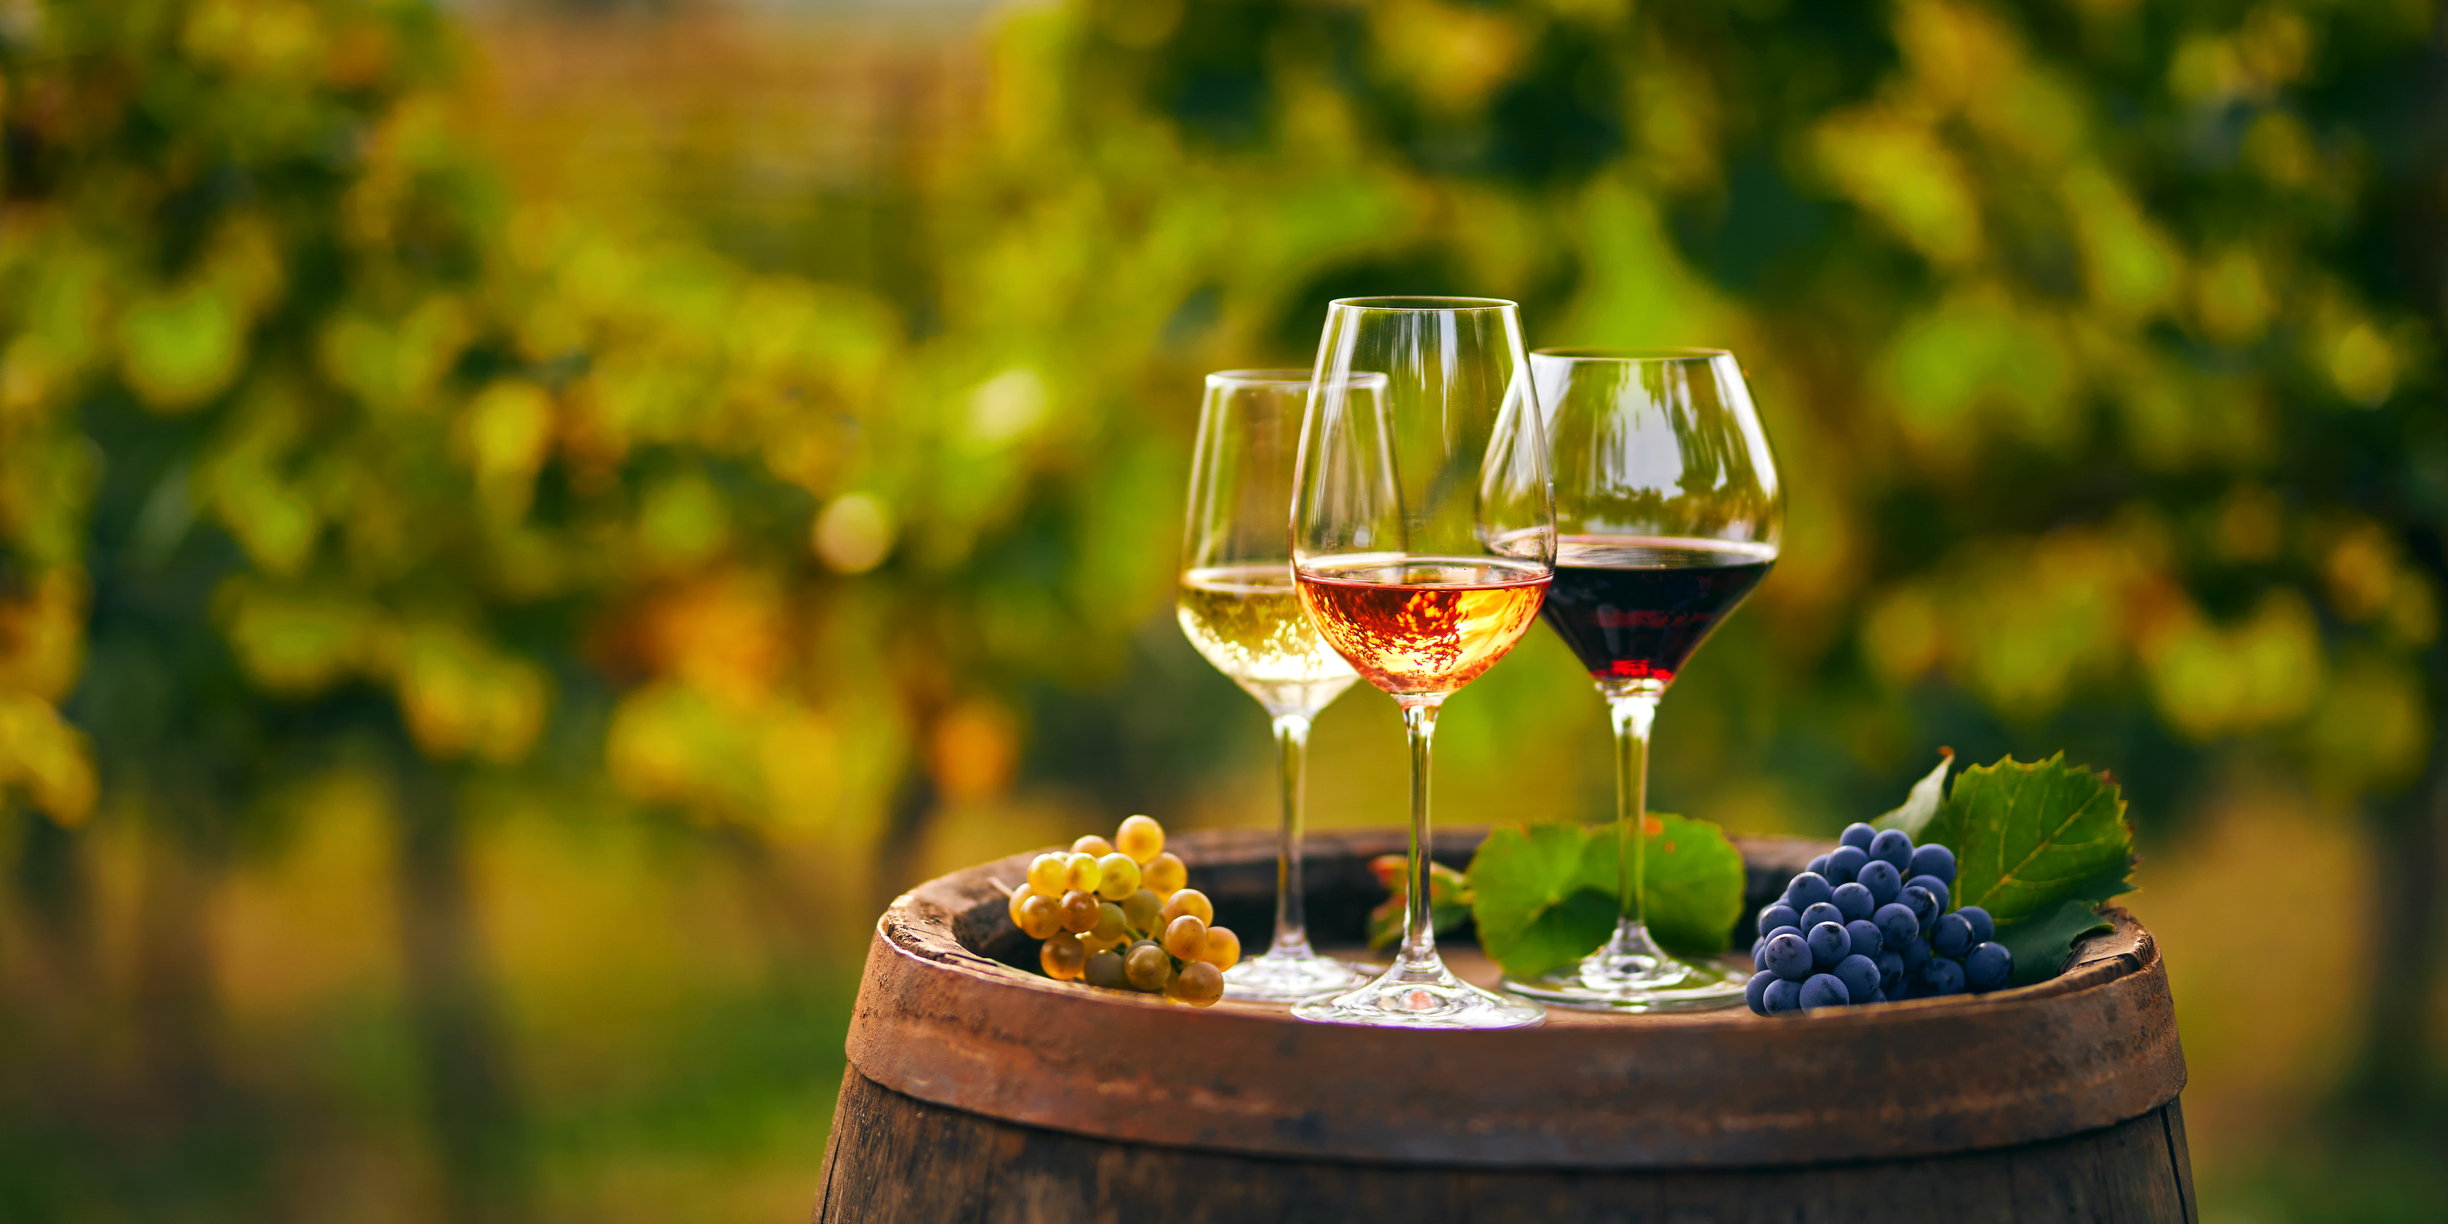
(1634, 714)
(1419, 927)
(1292, 759)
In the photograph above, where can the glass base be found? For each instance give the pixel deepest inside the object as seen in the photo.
(1425, 995)
(1632, 974)
(1289, 975)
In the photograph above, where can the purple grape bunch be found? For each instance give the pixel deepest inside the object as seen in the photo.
(1868, 923)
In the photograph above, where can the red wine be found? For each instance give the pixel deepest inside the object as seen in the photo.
(1636, 607)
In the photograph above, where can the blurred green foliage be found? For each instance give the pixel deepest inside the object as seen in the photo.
(357, 423)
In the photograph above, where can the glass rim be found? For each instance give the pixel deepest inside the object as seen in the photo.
(1259, 378)
(1633, 356)
(1422, 303)
(1283, 378)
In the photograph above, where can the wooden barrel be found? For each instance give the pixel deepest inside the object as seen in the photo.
(981, 1091)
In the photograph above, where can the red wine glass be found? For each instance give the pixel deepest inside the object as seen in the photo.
(1668, 512)
(1423, 533)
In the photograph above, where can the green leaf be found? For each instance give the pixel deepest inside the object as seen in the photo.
(1544, 894)
(2029, 837)
(1922, 802)
(1693, 881)
(1449, 898)
(1534, 910)
(2040, 945)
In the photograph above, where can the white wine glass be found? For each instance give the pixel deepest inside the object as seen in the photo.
(1423, 535)
(1670, 512)
(1237, 605)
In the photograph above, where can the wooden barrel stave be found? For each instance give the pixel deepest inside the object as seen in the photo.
(982, 1092)
(902, 1159)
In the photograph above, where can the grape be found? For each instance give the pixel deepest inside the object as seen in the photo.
(1756, 992)
(1105, 969)
(1932, 860)
(1093, 846)
(1944, 976)
(1782, 995)
(1223, 948)
(1062, 957)
(1897, 925)
(1199, 985)
(1822, 912)
(1040, 917)
(1824, 990)
(1923, 904)
(1854, 901)
(1045, 875)
(1759, 955)
(1777, 915)
(1189, 901)
(1081, 873)
(1828, 944)
(1164, 876)
(1867, 941)
(1891, 974)
(1817, 865)
(1937, 889)
(1844, 866)
(1951, 936)
(1808, 889)
(1077, 912)
(1186, 936)
(1119, 876)
(1858, 835)
(1788, 957)
(1882, 879)
(1019, 897)
(1147, 966)
(1984, 927)
(1141, 838)
(1988, 966)
(1794, 931)
(1916, 954)
(1892, 847)
(1111, 927)
(1142, 910)
(1860, 976)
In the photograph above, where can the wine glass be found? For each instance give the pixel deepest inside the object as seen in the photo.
(1423, 533)
(1237, 606)
(1669, 511)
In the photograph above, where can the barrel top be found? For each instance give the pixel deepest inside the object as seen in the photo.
(940, 1018)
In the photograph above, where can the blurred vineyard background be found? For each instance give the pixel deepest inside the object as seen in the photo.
(523, 523)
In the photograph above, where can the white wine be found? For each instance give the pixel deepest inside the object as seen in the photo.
(1247, 620)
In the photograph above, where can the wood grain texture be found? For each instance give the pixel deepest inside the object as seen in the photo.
(943, 1018)
(895, 1158)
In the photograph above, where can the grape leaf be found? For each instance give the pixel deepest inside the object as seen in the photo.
(2029, 837)
(1449, 899)
(1923, 801)
(1544, 894)
(1530, 900)
(1693, 882)
(2040, 945)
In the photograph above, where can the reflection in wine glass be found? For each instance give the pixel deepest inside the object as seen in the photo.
(1422, 538)
(1237, 605)
(1668, 501)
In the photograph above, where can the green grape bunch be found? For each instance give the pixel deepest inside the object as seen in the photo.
(1120, 915)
